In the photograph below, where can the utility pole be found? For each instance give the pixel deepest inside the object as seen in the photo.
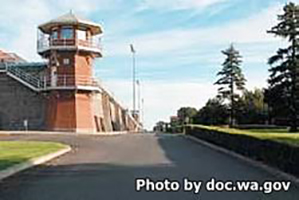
(134, 76)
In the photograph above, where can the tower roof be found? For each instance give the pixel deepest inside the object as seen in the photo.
(71, 19)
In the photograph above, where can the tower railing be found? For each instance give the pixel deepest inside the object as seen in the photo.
(24, 77)
(67, 81)
(61, 82)
(2, 66)
(45, 43)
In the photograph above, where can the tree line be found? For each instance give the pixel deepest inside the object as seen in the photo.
(234, 105)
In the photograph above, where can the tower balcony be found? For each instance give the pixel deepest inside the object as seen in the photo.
(70, 82)
(45, 44)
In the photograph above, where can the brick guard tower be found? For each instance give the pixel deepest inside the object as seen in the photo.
(70, 44)
(61, 93)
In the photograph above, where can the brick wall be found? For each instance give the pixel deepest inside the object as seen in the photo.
(61, 107)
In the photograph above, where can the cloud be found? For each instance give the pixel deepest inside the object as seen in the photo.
(178, 4)
(86, 6)
(162, 99)
(249, 30)
(21, 24)
(160, 49)
(186, 45)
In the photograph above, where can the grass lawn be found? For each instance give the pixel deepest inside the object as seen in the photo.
(279, 135)
(15, 152)
(280, 130)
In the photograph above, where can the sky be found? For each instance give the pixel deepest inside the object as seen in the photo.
(178, 44)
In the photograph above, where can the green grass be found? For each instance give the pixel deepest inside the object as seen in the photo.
(15, 152)
(278, 135)
(281, 130)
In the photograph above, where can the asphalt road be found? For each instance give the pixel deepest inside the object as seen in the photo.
(104, 168)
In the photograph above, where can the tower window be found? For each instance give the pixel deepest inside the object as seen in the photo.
(54, 34)
(66, 61)
(67, 33)
(81, 35)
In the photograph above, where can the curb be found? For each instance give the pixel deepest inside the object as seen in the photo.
(32, 162)
(109, 133)
(274, 171)
(63, 133)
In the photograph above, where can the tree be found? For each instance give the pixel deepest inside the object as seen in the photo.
(215, 112)
(161, 126)
(175, 125)
(185, 115)
(278, 107)
(251, 108)
(231, 79)
(284, 65)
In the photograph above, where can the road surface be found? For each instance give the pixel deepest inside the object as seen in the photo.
(105, 167)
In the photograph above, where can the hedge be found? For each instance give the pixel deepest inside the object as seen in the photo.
(280, 155)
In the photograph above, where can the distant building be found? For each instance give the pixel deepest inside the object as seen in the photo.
(174, 119)
(60, 94)
(6, 57)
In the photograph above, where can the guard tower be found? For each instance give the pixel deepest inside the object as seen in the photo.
(70, 44)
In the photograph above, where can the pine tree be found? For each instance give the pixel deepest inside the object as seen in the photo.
(284, 65)
(231, 79)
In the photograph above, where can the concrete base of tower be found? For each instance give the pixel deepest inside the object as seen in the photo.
(74, 130)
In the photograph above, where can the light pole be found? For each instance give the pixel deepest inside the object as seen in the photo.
(138, 95)
(134, 75)
(142, 111)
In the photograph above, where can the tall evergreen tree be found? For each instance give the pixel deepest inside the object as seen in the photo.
(231, 79)
(284, 65)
